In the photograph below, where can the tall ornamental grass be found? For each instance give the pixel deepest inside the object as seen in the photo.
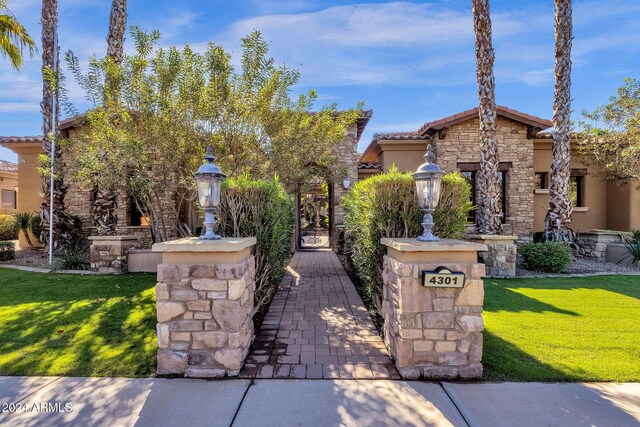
(385, 205)
(260, 208)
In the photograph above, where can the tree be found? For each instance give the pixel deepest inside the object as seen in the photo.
(62, 222)
(105, 200)
(24, 221)
(489, 210)
(14, 37)
(558, 219)
(148, 131)
(609, 137)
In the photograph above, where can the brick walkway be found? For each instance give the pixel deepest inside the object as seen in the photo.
(318, 327)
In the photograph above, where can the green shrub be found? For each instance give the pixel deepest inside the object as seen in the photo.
(7, 251)
(73, 258)
(385, 205)
(262, 209)
(550, 257)
(35, 225)
(8, 228)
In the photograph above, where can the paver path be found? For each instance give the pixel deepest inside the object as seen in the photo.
(318, 327)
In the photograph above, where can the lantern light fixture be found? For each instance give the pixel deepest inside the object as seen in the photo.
(208, 183)
(428, 180)
(346, 183)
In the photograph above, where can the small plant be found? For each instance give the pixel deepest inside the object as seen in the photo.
(632, 245)
(7, 251)
(23, 221)
(73, 258)
(8, 228)
(550, 257)
(35, 225)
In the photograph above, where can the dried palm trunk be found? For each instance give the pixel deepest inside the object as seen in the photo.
(558, 220)
(488, 187)
(105, 202)
(62, 221)
(117, 28)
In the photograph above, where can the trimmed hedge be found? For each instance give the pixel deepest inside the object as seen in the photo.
(8, 228)
(385, 205)
(262, 209)
(550, 257)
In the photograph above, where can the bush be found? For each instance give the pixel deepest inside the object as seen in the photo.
(550, 257)
(385, 205)
(8, 228)
(73, 258)
(7, 251)
(262, 209)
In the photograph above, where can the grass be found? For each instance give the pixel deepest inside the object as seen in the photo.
(59, 324)
(569, 329)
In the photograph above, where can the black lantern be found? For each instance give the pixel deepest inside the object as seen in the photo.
(428, 180)
(208, 182)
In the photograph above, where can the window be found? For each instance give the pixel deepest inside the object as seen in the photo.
(8, 199)
(576, 191)
(541, 181)
(470, 172)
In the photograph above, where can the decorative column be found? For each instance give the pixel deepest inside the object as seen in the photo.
(500, 257)
(109, 254)
(433, 327)
(205, 306)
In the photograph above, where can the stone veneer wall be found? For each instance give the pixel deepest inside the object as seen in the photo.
(433, 333)
(594, 244)
(500, 259)
(346, 157)
(109, 254)
(462, 145)
(205, 317)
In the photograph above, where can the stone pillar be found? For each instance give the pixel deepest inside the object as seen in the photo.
(205, 306)
(500, 257)
(433, 332)
(109, 253)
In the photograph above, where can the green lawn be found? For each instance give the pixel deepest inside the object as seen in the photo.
(578, 329)
(58, 324)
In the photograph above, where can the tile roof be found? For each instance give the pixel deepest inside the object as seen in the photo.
(369, 165)
(20, 139)
(397, 135)
(8, 166)
(463, 116)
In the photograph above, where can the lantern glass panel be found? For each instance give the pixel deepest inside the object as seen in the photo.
(208, 191)
(428, 190)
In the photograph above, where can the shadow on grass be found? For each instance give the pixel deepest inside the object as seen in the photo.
(77, 325)
(504, 361)
(625, 285)
(500, 298)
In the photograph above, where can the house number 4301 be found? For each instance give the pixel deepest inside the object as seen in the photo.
(442, 277)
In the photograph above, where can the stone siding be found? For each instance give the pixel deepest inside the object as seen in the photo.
(205, 324)
(462, 145)
(109, 254)
(500, 259)
(346, 158)
(433, 333)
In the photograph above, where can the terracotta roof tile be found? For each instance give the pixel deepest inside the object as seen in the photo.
(510, 113)
(8, 166)
(20, 139)
(369, 165)
(397, 135)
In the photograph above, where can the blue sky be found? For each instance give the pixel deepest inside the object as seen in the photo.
(411, 62)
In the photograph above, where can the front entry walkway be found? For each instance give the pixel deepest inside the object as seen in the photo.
(318, 327)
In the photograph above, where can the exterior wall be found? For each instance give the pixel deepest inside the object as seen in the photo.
(30, 193)
(8, 181)
(592, 215)
(347, 157)
(404, 155)
(462, 145)
(624, 203)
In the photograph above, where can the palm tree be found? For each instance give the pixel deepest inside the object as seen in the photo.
(558, 220)
(24, 221)
(105, 201)
(13, 37)
(117, 27)
(489, 210)
(61, 222)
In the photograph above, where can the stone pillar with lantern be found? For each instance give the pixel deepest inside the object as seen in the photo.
(205, 294)
(433, 295)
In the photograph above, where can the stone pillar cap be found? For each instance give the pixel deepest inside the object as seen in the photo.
(112, 238)
(492, 237)
(442, 245)
(195, 244)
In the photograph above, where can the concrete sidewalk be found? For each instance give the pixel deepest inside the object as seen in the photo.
(177, 402)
